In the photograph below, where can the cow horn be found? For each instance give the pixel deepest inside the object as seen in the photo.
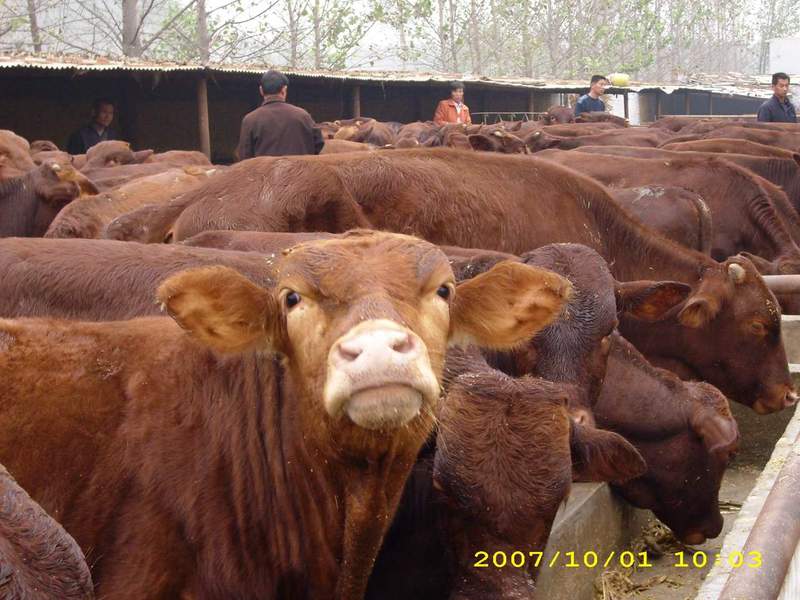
(537, 134)
(498, 133)
(736, 273)
(55, 167)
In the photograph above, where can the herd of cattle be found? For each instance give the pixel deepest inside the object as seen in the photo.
(380, 361)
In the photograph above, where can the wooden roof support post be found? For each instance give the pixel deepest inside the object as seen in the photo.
(356, 101)
(625, 102)
(531, 101)
(686, 103)
(202, 116)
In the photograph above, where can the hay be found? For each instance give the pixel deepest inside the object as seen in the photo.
(657, 540)
(616, 585)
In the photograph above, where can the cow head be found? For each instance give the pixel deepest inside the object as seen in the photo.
(729, 317)
(539, 140)
(506, 453)
(58, 184)
(111, 154)
(363, 322)
(687, 436)
(15, 154)
(497, 141)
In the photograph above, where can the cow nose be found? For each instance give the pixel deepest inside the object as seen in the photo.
(694, 538)
(790, 399)
(388, 343)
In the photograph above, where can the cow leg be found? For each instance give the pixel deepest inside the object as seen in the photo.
(147, 559)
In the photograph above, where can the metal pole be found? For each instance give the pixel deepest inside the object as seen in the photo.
(686, 103)
(625, 101)
(202, 116)
(783, 284)
(710, 103)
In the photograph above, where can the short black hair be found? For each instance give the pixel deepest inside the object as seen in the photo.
(777, 76)
(596, 78)
(98, 102)
(456, 85)
(272, 81)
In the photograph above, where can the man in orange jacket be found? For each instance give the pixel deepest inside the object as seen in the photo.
(453, 110)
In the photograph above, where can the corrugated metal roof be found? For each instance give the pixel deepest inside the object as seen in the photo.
(728, 84)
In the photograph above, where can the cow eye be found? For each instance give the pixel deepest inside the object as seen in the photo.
(292, 299)
(758, 328)
(443, 291)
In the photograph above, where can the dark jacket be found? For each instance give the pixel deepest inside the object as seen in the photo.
(775, 111)
(277, 128)
(588, 104)
(86, 137)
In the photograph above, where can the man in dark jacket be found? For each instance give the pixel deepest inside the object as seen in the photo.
(98, 130)
(778, 109)
(277, 128)
(591, 102)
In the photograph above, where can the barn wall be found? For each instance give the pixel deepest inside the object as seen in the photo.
(159, 109)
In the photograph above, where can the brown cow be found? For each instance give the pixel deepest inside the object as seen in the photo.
(500, 468)
(38, 559)
(559, 114)
(241, 457)
(52, 156)
(43, 146)
(108, 178)
(648, 138)
(103, 280)
(684, 430)
(149, 224)
(497, 141)
(513, 204)
(333, 146)
(676, 213)
(789, 139)
(730, 146)
(30, 202)
(15, 158)
(88, 217)
(744, 217)
(602, 117)
(179, 158)
(768, 172)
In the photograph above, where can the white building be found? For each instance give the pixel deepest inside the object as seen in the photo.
(784, 55)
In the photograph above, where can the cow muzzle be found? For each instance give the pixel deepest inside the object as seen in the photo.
(780, 398)
(379, 375)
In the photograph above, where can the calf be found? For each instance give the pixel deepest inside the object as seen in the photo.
(38, 559)
(502, 463)
(676, 213)
(29, 203)
(559, 114)
(684, 431)
(237, 456)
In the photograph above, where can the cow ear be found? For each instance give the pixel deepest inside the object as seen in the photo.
(506, 305)
(599, 455)
(699, 311)
(649, 300)
(68, 173)
(221, 308)
(479, 141)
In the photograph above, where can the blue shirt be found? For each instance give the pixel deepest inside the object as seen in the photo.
(588, 104)
(775, 111)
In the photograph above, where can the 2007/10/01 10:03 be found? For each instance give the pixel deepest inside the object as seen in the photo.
(627, 559)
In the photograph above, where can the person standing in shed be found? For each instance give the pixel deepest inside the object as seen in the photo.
(453, 109)
(591, 102)
(277, 128)
(778, 109)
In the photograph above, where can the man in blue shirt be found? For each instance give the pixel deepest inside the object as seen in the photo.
(778, 109)
(591, 102)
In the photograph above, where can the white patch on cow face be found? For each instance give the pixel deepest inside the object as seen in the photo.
(379, 374)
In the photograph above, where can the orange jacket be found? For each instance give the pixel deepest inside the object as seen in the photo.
(446, 113)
